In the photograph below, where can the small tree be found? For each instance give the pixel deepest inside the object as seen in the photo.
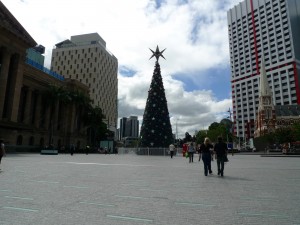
(216, 130)
(296, 131)
(284, 135)
(200, 136)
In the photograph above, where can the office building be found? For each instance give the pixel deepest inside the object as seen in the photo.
(122, 128)
(129, 127)
(86, 59)
(268, 29)
(35, 54)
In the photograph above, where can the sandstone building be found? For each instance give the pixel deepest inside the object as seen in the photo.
(29, 118)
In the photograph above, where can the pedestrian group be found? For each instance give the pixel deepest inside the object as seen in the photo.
(207, 152)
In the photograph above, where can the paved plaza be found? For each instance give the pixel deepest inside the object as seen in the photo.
(129, 189)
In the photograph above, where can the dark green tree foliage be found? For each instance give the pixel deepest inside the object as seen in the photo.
(156, 130)
(187, 138)
(200, 136)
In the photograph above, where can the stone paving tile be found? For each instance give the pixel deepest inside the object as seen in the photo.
(129, 189)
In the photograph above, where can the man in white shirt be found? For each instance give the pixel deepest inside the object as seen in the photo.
(171, 148)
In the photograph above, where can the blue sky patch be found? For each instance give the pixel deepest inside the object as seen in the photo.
(126, 72)
(158, 3)
(217, 80)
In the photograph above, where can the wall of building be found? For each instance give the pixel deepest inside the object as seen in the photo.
(27, 119)
(260, 28)
(89, 62)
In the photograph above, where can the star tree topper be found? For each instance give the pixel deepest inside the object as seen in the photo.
(157, 53)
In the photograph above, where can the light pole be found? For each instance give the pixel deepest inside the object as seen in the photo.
(177, 135)
(238, 130)
(177, 128)
(230, 128)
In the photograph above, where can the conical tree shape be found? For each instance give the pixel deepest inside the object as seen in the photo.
(156, 130)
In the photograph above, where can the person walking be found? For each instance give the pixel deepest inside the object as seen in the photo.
(220, 150)
(72, 149)
(199, 152)
(171, 149)
(87, 149)
(2, 150)
(205, 150)
(191, 151)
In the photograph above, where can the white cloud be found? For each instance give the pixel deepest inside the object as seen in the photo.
(194, 34)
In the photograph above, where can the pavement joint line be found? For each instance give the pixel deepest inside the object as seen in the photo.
(44, 181)
(98, 204)
(67, 186)
(148, 189)
(133, 197)
(136, 185)
(129, 218)
(194, 204)
(5, 190)
(21, 209)
(16, 197)
(111, 164)
(260, 199)
(261, 215)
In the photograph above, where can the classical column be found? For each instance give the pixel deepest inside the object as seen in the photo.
(38, 110)
(47, 117)
(3, 77)
(16, 86)
(71, 120)
(55, 116)
(28, 102)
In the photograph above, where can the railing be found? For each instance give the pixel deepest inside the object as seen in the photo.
(44, 69)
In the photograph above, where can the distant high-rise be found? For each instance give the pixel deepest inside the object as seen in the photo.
(268, 29)
(85, 58)
(35, 54)
(122, 128)
(129, 127)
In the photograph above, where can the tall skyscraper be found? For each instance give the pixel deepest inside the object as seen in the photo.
(122, 128)
(129, 127)
(86, 59)
(268, 29)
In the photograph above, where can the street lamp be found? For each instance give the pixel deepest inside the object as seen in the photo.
(177, 128)
(230, 128)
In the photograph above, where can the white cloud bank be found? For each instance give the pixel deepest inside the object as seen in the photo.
(193, 31)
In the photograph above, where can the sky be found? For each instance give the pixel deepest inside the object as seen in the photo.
(196, 68)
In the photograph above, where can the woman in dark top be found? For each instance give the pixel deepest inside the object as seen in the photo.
(205, 150)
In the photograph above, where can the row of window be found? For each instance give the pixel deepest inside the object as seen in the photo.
(272, 37)
(80, 51)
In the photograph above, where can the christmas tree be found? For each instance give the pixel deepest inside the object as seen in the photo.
(156, 130)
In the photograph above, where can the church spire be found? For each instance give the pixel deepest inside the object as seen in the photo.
(264, 88)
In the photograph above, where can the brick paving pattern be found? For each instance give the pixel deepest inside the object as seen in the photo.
(129, 189)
